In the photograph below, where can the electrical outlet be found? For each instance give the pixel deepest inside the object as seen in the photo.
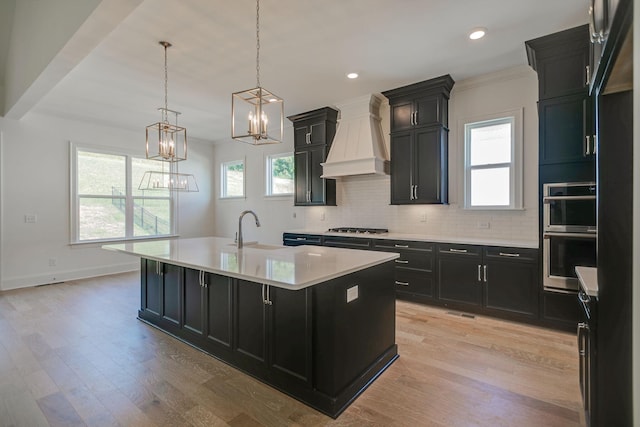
(293, 215)
(423, 217)
(484, 225)
(30, 218)
(53, 262)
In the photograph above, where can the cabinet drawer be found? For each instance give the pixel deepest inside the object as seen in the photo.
(402, 245)
(289, 239)
(462, 250)
(514, 254)
(414, 282)
(421, 261)
(347, 242)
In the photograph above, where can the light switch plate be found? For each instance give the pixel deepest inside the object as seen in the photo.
(30, 218)
(352, 293)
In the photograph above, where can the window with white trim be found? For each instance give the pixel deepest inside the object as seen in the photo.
(279, 170)
(232, 179)
(493, 163)
(106, 202)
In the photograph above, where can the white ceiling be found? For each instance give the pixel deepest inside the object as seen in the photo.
(307, 47)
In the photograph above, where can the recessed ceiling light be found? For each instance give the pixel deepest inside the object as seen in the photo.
(477, 33)
(352, 75)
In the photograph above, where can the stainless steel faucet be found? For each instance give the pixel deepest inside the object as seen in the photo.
(239, 240)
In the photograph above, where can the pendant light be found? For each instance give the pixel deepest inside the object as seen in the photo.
(257, 115)
(167, 143)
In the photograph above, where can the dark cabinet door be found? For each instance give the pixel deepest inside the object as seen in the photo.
(401, 114)
(152, 291)
(289, 333)
(414, 281)
(317, 155)
(219, 308)
(301, 164)
(429, 111)
(430, 166)
(250, 321)
(318, 133)
(511, 285)
(566, 130)
(193, 301)
(172, 289)
(566, 73)
(401, 168)
(300, 138)
(460, 274)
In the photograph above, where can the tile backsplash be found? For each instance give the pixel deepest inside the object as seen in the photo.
(363, 201)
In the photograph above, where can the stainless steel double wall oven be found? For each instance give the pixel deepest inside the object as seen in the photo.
(570, 230)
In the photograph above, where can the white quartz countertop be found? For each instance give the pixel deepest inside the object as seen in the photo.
(532, 244)
(588, 278)
(282, 266)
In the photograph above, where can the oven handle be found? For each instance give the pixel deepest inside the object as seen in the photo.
(549, 199)
(549, 235)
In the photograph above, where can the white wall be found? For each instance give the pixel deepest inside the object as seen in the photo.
(364, 201)
(275, 213)
(35, 180)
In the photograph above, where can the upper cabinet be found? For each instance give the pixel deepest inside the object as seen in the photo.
(313, 134)
(419, 141)
(562, 62)
(567, 136)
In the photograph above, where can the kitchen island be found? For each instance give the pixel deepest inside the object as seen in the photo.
(317, 323)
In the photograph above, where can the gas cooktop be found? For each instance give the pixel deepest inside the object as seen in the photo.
(359, 230)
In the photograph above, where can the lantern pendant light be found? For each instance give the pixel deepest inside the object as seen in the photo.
(257, 115)
(166, 141)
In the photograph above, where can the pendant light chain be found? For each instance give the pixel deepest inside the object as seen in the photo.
(258, 43)
(166, 84)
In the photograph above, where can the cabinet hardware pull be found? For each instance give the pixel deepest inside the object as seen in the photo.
(594, 144)
(485, 273)
(264, 299)
(269, 295)
(411, 119)
(307, 137)
(509, 254)
(415, 118)
(402, 283)
(401, 246)
(584, 297)
(402, 261)
(415, 192)
(588, 75)
(301, 238)
(458, 251)
(588, 144)
(549, 199)
(479, 278)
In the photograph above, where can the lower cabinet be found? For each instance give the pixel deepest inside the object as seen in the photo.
(414, 277)
(161, 293)
(460, 274)
(269, 320)
(206, 306)
(502, 281)
(295, 341)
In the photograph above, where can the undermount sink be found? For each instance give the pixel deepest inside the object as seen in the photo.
(256, 245)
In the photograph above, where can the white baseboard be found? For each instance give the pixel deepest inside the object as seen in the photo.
(63, 276)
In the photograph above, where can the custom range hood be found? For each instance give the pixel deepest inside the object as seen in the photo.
(358, 147)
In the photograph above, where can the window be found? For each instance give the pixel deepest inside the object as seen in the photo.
(279, 174)
(493, 166)
(106, 202)
(232, 179)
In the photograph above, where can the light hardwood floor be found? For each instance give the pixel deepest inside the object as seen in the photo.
(74, 354)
